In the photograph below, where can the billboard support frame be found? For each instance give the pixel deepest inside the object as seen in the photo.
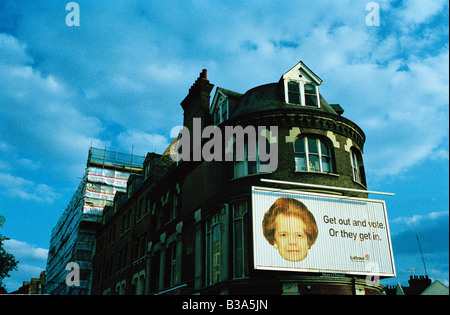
(273, 181)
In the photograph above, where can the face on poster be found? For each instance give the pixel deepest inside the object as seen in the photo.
(300, 231)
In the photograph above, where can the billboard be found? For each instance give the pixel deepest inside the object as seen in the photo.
(310, 232)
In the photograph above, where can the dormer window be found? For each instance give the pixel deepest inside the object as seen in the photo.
(223, 105)
(302, 93)
(221, 113)
(147, 170)
(301, 86)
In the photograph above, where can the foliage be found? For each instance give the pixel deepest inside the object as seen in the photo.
(7, 261)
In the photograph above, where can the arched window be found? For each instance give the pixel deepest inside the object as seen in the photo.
(357, 166)
(313, 155)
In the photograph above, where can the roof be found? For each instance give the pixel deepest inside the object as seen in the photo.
(223, 92)
(272, 96)
(436, 288)
(269, 97)
(301, 67)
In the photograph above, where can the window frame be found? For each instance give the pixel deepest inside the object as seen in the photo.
(307, 154)
(240, 221)
(172, 263)
(358, 169)
(245, 162)
(221, 109)
(212, 269)
(302, 93)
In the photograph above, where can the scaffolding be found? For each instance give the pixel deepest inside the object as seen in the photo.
(73, 237)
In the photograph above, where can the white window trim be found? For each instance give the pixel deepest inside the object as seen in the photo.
(319, 148)
(223, 102)
(355, 168)
(301, 84)
(245, 161)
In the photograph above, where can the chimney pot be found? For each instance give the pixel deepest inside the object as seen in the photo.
(204, 74)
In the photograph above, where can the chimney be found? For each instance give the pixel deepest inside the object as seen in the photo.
(198, 96)
(418, 284)
(196, 105)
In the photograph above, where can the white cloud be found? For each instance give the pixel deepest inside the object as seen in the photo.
(32, 261)
(141, 142)
(43, 118)
(128, 79)
(416, 12)
(23, 250)
(404, 113)
(29, 164)
(420, 219)
(12, 51)
(18, 187)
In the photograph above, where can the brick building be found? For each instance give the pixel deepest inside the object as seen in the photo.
(185, 227)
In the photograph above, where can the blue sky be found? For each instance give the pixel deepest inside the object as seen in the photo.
(117, 81)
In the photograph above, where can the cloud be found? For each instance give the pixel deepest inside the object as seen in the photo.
(141, 142)
(43, 117)
(415, 12)
(32, 260)
(421, 219)
(29, 164)
(434, 244)
(23, 250)
(119, 78)
(403, 113)
(18, 187)
(432, 233)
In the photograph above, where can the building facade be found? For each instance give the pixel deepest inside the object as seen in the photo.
(185, 226)
(419, 285)
(32, 287)
(72, 243)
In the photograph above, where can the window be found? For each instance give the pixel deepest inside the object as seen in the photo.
(139, 283)
(240, 237)
(140, 210)
(124, 223)
(312, 154)
(155, 271)
(302, 93)
(147, 170)
(310, 95)
(357, 166)
(174, 207)
(158, 216)
(130, 189)
(148, 204)
(294, 92)
(221, 113)
(251, 163)
(172, 261)
(213, 245)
